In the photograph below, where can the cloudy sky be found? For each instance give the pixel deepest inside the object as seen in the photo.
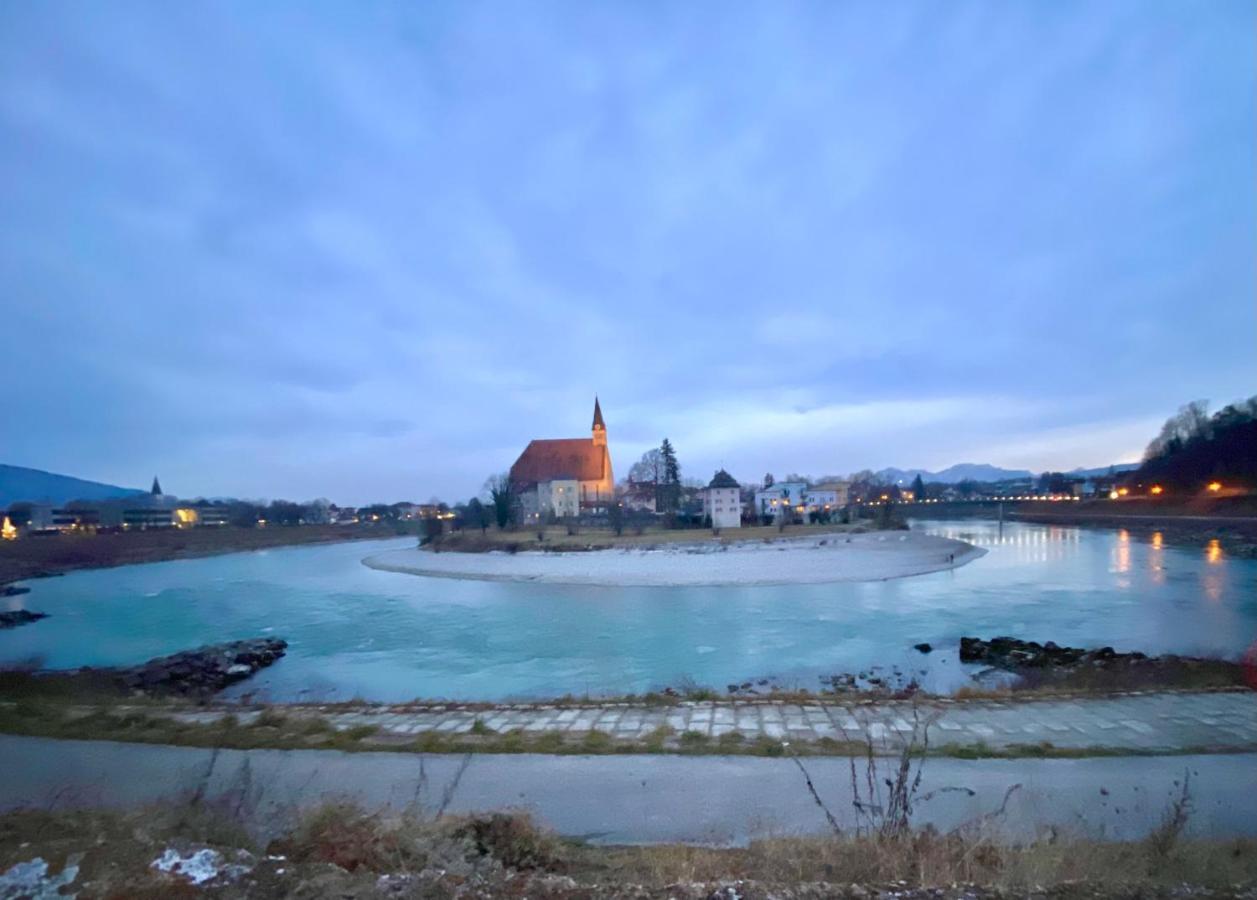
(366, 251)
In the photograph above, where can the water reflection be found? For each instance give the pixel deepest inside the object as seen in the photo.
(1121, 554)
(1212, 578)
(1158, 563)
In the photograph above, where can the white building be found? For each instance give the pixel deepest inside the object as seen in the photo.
(722, 501)
(780, 497)
(560, 496)
(827, 498)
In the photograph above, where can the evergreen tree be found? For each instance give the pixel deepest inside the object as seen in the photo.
(918, 488)
(669, 497)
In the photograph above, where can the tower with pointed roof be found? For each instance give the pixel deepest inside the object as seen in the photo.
(599, 427)
(156, 491)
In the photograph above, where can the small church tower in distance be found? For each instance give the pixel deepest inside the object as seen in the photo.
(600, 427)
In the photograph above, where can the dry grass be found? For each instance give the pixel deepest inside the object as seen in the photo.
(340, 849)
(34, 556)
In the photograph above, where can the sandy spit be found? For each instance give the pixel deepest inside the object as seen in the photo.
(817, 559)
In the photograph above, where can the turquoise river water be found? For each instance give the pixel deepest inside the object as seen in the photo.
(354, 631)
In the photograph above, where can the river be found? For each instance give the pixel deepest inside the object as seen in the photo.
(354, 631)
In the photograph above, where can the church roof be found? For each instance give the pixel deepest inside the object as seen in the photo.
(578, 459)
(723, 479)
(598, 423)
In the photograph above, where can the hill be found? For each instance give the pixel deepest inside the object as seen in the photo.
(954, 474)
(18, 483)
(1100, 471)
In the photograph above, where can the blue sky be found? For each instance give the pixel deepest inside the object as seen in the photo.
(366, 251)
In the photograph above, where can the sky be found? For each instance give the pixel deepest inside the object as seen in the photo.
(366, 251)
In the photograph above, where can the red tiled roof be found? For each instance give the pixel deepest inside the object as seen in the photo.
(563, 458)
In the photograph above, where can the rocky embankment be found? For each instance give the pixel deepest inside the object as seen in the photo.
(12, 618)
(199, 672)
(1049, 664)
(1012, 654)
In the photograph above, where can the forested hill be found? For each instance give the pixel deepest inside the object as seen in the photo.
(18, 483)
(1195, 448)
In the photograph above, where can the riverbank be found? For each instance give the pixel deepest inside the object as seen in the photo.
(821, 558)
(44, 556)
(266, 823)
(1047, 726)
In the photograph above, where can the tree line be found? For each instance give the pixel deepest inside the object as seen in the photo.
(1194, 448)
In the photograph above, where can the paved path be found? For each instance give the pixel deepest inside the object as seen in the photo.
(636, 798)
(1151, 722)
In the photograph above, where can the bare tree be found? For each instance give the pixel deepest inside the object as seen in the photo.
(649, 468)
(1190, 421)
(502, 496)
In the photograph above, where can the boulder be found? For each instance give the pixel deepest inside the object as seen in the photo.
(1014, 655)
(14, 617)
(205, 670)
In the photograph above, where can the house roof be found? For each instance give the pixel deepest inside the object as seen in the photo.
(564, 458)
(723, 479)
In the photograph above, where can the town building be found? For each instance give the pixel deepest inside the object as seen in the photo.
(642, 496)
(565, 476)
(828, 497)
(780, 497)
(155, 509)
(722, 501)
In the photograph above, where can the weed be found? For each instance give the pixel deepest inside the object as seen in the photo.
(597, 742)
(693, 741)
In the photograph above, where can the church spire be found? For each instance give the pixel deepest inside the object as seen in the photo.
(600, 427)
(156, 487)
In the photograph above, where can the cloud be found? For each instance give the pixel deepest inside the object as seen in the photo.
(292, 250)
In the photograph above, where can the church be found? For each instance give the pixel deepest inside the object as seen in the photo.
(565, 476)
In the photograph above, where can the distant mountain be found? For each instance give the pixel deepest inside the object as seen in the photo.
(984, 472)
(954, 474)
(1116, 469)
(18, 483)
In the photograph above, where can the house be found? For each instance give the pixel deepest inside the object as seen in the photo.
(780, 497)
(640, 495)
(828, 497)
(722, 501)
(565, 476)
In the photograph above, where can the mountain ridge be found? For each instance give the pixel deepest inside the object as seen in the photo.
(21, 484)
(986, 472)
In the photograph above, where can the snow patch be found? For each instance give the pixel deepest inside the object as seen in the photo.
(202, 866)
(31, 880)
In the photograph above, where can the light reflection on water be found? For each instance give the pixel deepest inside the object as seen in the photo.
(384, 635)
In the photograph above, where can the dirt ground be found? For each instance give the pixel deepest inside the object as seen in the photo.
(191, 850)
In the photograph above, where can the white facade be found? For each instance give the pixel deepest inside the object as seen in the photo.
(562, 497)
(820, 501)
(772, 501)
(724, 506)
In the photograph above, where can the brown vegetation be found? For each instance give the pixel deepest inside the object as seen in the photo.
(342, 850)
(555, 538)
(38, 556)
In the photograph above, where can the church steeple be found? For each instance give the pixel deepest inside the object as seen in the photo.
(600, 427)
